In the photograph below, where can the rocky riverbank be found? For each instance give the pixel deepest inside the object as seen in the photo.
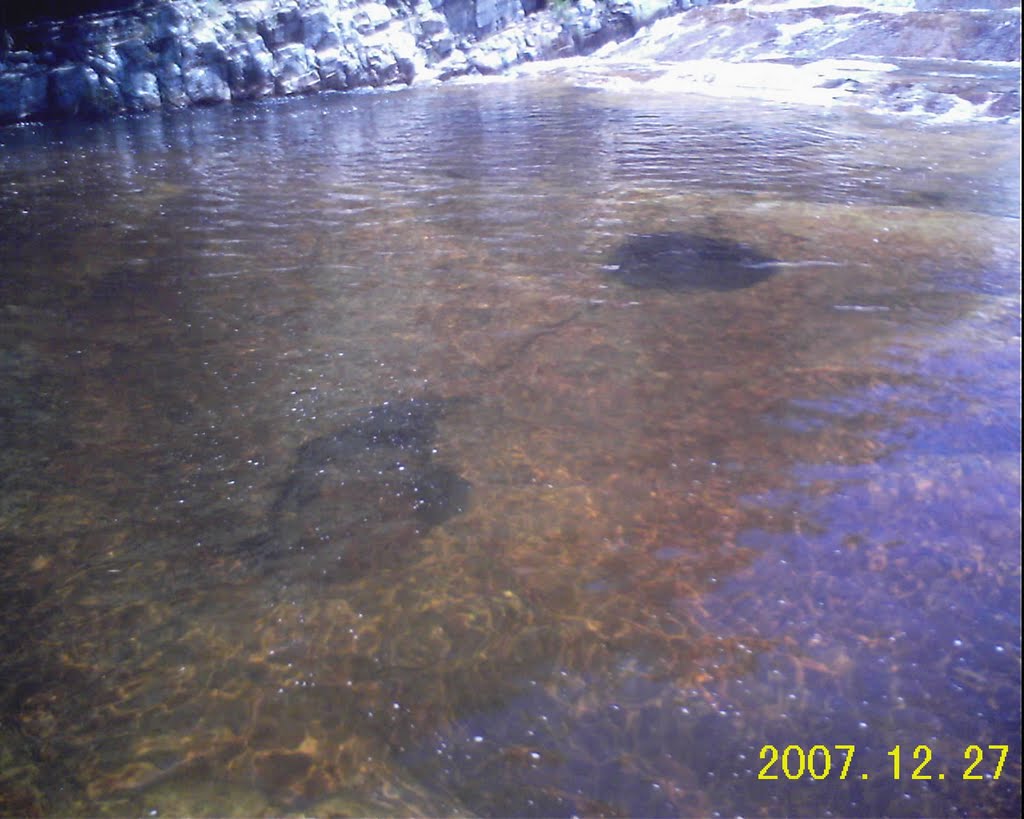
(936, 57)
(187, 52)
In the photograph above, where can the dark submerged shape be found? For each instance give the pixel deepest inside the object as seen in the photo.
(689, 262)
(358, 500)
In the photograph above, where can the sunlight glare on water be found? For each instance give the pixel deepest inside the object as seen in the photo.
(507, 450)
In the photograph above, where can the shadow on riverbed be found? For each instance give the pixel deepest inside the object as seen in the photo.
(688, 262)
(359, 500)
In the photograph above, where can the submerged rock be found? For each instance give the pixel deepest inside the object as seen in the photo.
(689, 262)
(358, 501)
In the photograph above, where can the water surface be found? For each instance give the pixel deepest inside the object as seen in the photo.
(370, 455)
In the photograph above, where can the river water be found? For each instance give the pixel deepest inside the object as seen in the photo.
(519, 448)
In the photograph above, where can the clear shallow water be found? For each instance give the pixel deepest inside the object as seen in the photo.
(698, 521)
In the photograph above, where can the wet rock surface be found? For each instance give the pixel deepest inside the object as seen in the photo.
(359, 500)
(689, 262)
(748, 31)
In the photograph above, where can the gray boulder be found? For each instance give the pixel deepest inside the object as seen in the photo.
(168, 23)
(170, 82)
(141, 90)
(283, 27)
(494, 14)
(76, 90)
(295, 70)
(205, 70)
(204, 85)
(250, 69)
(23, 94)
(371, 17)
(135, 53)
(320, 32)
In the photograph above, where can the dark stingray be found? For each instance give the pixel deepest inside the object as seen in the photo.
(359, 500)
(689, 262)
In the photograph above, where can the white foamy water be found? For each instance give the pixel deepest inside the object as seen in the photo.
(820, 83)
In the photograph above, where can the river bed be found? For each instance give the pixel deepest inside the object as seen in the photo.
(518, 448)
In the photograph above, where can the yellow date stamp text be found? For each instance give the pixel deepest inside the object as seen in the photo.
(794, 762)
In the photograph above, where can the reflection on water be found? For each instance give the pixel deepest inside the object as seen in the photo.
(596, 542)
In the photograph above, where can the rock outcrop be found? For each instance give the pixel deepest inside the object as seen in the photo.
(187, 52)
